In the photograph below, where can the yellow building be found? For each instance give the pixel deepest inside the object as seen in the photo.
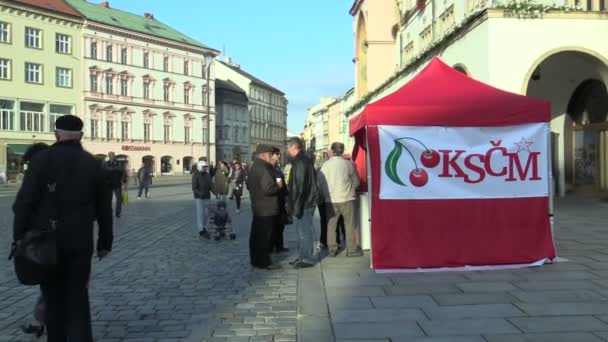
(556, 52)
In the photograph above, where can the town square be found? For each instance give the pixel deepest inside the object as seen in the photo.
(364, 170)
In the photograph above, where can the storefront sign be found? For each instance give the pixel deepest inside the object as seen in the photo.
(135, 148)
(463, 162)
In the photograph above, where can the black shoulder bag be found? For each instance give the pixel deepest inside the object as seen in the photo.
(35, 256)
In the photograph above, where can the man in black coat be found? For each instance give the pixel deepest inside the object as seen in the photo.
(81, 199)
(116, 178)
(264, 190)
(303, 199)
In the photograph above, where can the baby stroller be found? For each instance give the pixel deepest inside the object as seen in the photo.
(220, 224)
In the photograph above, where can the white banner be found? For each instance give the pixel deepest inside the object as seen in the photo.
(463, 162)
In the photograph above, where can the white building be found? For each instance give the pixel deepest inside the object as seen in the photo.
(147, 90)
(232, 121)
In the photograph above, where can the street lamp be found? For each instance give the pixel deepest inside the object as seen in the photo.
(207, 138)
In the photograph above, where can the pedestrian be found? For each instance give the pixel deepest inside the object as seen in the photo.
(116, 179)
(144, 177)
(237, 178)
(264, 191)
(278, 244)
(338, 181)
(201, 188)
(220, 181)
(35, 327)
(80, 195)
(303, 197)
(212, 170)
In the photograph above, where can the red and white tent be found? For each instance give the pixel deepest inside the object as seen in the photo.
(459, 174)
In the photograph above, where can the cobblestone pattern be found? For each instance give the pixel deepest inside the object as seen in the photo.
(161, 283)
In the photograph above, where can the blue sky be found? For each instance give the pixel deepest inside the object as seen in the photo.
(303, 48)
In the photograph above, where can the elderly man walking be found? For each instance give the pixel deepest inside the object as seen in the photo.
(303, 198)
(338, 179)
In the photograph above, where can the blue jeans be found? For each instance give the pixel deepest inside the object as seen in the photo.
(305, 229)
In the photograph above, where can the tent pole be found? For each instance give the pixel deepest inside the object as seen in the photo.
(551, 188)
(368, 166)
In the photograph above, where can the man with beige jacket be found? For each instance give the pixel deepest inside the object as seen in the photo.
(338, 180)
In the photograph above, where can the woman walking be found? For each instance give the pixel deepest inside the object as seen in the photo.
(236, 182)
(144, 177)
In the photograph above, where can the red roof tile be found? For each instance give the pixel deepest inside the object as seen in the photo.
(51, 5)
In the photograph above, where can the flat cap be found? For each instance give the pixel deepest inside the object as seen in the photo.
(265, 149)
(69, 123)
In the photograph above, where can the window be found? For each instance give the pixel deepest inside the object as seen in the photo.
(227, 132)
(124, 90)
(7, 115)
(123, 56)
(63, 78)
(146, 59)
(109, 53)
(205, 135)
(94, 128)
(219, 133)
(187, 134)
(166, 64)
(147, 130)
(33, 73)
(204, 72)
(186, 95)
(62, 43)
(186, 67)
(110, 130)
(93, 83)
(205, 99)
(32, 37)
(55, 112)
(94, 50)
(109, 85)
(124, 130)
(31, 116)
(166, 91)
(146, 90)
(167, 133)
(236, 134)
(5, 69)
(5, 32)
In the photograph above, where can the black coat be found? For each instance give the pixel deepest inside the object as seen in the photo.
(201, 185)
(302, 187)
(115, 174)
(82, 197)
(263, 189)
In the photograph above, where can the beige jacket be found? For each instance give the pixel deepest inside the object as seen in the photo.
(338, 180)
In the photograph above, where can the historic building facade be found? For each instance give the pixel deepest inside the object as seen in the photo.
(232, 121)
(267, 106)
(39, 75)
(550, 51)
(148, 90)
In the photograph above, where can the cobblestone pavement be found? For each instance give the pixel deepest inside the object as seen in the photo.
(161, 283)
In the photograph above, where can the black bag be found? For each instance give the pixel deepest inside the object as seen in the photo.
(35, 255)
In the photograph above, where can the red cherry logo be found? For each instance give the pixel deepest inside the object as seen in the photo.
(419, 177)
(429, 158)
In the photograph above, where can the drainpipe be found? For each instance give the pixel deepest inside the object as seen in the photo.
(433, 21)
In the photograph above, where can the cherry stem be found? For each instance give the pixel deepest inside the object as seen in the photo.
(411, 155)
(418, 141)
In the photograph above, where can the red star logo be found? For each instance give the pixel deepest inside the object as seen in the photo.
(523, 145)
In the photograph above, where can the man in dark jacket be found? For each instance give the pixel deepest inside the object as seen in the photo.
(201, 189)
(80, 199)
(116, 178)
(264, 190)
(278, 244)
(303, 199)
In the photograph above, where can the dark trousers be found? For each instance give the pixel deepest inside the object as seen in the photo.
(237, 198)
(68, 314)
(142, 187)
(260, 240)
(277, 237)
(118, 195)
(339, 229)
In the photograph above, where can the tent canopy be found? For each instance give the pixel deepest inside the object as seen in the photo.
(442, 96)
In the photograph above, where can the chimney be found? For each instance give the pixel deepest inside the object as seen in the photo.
(105, 4)
(148, 15)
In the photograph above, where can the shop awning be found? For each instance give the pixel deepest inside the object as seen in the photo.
(18, 148)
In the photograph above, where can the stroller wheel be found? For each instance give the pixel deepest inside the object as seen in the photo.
(232, 236)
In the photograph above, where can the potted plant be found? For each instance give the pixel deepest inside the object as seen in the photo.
(420, 4)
